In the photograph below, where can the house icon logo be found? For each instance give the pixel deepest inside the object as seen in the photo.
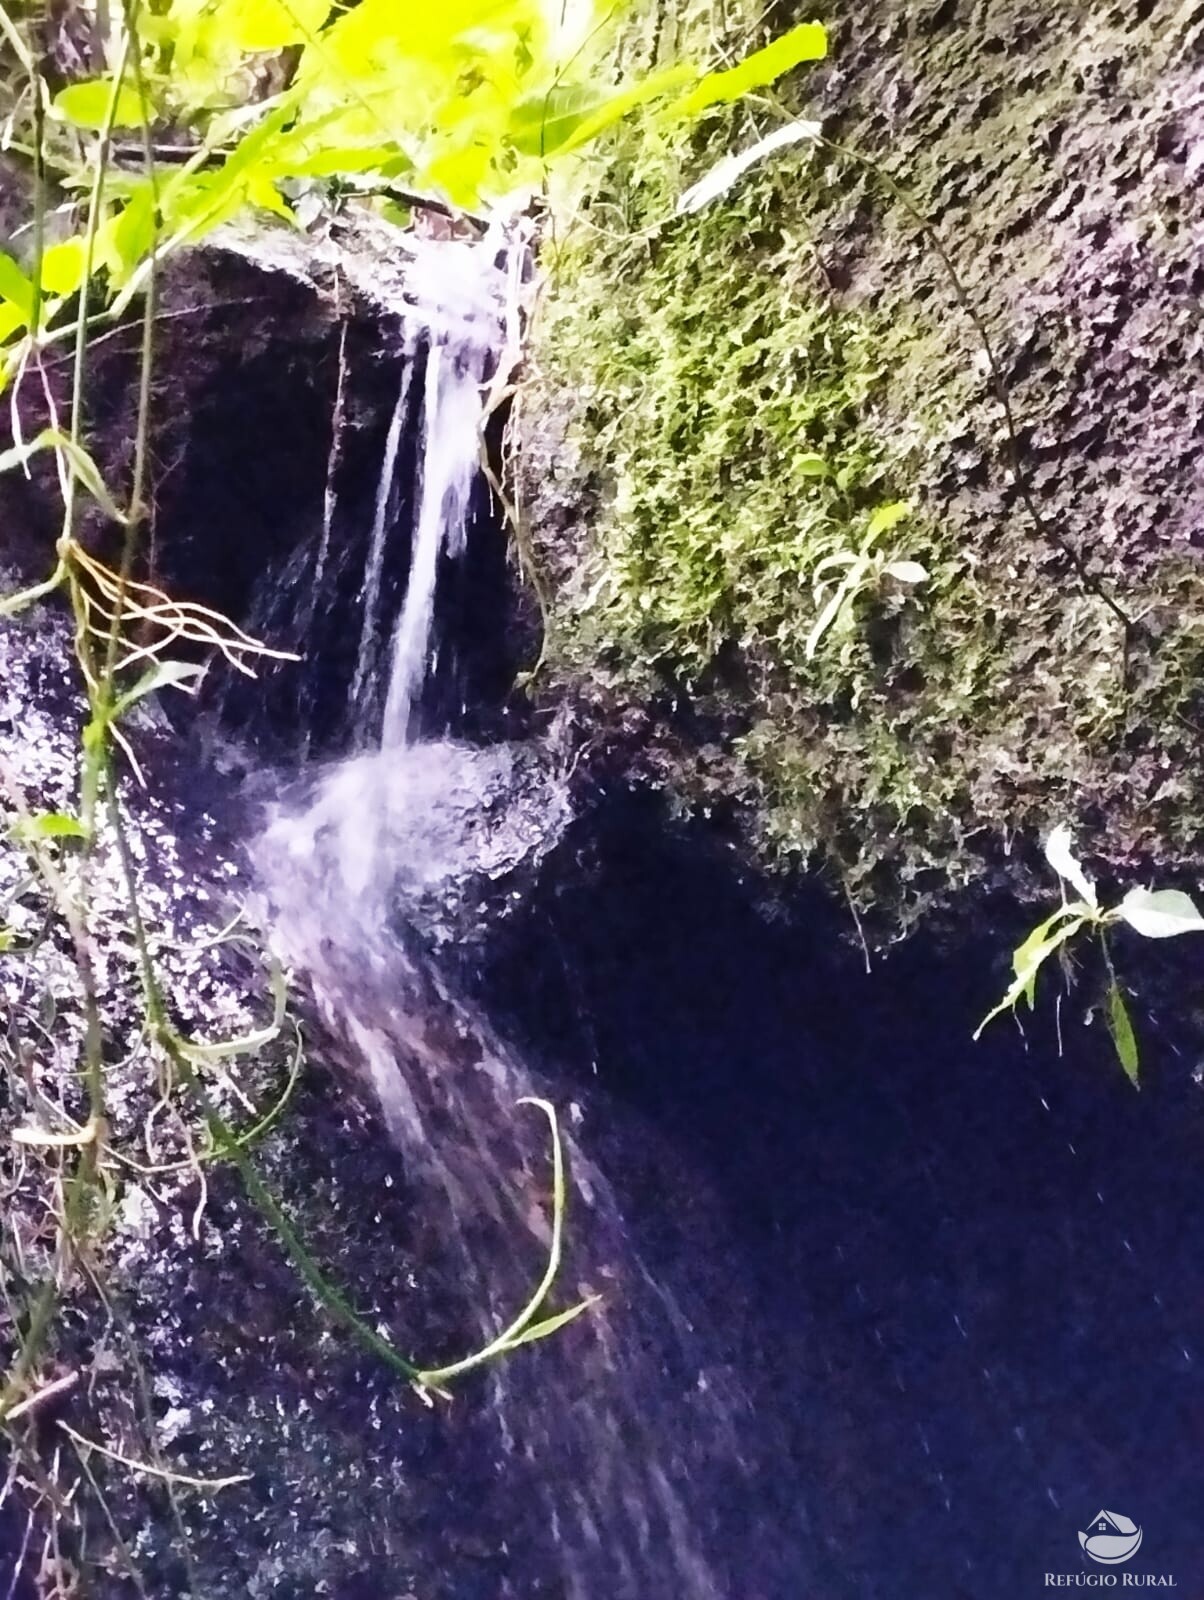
(1111, 1538)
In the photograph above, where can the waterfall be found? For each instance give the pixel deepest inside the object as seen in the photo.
(461, 315)
(618, 1456)
(370, 592)
(452, 416)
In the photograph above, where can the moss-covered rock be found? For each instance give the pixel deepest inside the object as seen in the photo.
(724, 399)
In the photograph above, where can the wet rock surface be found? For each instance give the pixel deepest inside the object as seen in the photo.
(1047, 158)
(190, 1343)
(452, 838)
(938, 1287)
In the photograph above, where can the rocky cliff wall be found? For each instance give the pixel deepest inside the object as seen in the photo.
(724, 400)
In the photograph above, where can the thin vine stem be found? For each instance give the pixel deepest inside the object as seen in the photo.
(1041, 524)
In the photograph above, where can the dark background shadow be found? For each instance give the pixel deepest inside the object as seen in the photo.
(975, 1271)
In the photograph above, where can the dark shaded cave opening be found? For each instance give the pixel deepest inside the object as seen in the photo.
(268, 516)
(248, 481)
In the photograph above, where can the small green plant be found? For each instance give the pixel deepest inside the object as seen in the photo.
(866, 571)
(1153, 913)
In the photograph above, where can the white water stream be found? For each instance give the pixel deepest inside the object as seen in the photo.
(621, 1472)
(370, 593)
(452, 415)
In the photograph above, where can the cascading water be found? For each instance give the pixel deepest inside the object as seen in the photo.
(452, 416)
(370, 594)
(617, 1456)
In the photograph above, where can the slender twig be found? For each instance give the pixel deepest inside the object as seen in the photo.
(149, 1470)
(44, 1396)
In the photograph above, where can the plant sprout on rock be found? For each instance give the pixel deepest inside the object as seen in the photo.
(1154, 913)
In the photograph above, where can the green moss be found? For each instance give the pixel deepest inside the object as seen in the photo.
(708, 362)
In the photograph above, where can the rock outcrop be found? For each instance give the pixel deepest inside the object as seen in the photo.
(1009, 185)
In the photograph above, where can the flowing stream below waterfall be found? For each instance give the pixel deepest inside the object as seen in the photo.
(882, 1315)
(618, 1488)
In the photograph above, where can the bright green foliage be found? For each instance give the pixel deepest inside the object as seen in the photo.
(1154, 913)
(465, 101)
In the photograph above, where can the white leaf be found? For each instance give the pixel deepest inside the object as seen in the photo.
(831, 612)
(1062, 859)
(1161, 913)
(161, 675)
(906, 571)
(721, 177)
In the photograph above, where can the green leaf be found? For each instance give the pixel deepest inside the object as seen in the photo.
(551, 1325)
(10, 320)
(133, 233)
(253, 154)
(63, 266)
(544, 122)
(254, 25)
(49, 825)
(262, 192)
(339, 159)
(1161, 913)
(162, 675)
(84, 467)
(86, 105)
(887, 517)
(1041, 943)
(569, 115)
(6, 940)
(1029, 957)
(1120, 1026)
(807, 42)
(812, 466)
(616, 106)
(15, 287)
